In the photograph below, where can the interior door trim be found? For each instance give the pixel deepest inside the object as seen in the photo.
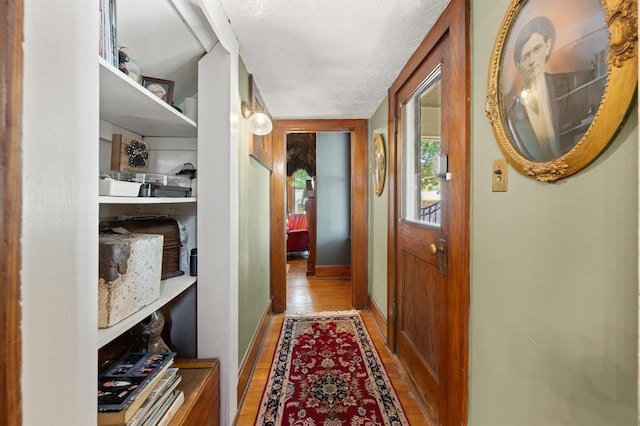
(359, 213)
(11, 211)
(454, 23)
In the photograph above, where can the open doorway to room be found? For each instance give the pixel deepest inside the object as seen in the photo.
(318, 202)
(299, 194)
(356, 131)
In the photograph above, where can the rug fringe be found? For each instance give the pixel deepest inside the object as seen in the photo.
(322, 313)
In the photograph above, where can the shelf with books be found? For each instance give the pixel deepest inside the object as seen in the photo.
(126, 104)
(169, 290)
(167, 391)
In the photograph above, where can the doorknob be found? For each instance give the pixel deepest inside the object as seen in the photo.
(442, 257)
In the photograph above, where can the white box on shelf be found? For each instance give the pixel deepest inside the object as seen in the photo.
(130, 267)
(116, 188)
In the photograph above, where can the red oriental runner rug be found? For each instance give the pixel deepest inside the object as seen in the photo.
(326, 372)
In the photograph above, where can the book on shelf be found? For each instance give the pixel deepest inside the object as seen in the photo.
(168, 410)
(156, 398)
(108, 47)
(124, 387)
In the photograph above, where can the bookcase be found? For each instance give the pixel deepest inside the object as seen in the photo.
(126, 106)
(72, 101)
(187, 38)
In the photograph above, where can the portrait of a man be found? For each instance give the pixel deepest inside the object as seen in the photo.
(548, 106)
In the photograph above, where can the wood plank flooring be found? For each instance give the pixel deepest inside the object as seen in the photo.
(305, 295)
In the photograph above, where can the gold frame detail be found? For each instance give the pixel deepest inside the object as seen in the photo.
(378, 164)
(621, 17)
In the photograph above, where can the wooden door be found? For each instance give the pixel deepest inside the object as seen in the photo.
(429, 247)
(421, 328)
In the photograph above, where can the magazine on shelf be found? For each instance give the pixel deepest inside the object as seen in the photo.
(167, 411)
(156, 398)
(127, 383)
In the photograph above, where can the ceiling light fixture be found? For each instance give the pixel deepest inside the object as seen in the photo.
(258, 122)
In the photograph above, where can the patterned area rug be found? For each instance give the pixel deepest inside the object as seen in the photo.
(326, 372)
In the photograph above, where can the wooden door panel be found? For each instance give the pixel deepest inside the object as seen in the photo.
(417, 242)
(420, 375)
(420, 318)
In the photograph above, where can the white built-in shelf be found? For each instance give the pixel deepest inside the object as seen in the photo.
(127, 104)
(146, 200)
(169, 289)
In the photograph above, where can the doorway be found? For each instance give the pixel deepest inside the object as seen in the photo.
(358, 131)
(429, 216)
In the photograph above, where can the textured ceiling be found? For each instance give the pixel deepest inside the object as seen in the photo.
(328, 58)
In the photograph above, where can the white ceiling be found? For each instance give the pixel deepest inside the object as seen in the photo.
(328, 58)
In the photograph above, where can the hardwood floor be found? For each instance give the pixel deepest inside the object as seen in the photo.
(305, 295)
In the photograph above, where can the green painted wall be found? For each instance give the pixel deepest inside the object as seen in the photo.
(554, 296)
(554, 293)
(378, 216)
(254, 238)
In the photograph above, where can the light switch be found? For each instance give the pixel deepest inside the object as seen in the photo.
(499, 177)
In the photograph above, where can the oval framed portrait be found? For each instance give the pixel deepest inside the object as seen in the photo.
(562, 78)
(378, 164)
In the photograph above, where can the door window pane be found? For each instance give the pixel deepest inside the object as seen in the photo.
(421, 146)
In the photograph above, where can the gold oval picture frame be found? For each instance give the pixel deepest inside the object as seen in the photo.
(378, 164)
(561, 81)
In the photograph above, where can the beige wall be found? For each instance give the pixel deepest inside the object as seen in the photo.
(254, 211)
(378, 216)
(553, 333)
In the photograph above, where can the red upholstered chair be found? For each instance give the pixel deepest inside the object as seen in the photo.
(297, 232)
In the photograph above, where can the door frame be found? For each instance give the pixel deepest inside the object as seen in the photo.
(455, 23)
(11, 68)
(359, 214)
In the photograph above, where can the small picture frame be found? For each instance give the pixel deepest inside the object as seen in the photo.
(129, 154)
(378, 164)
(159, 87)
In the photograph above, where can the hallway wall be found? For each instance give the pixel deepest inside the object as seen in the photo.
(254, 238)
(553, 333)
(554, 307)
(378, 216)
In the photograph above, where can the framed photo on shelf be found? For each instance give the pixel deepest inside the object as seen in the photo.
(561, 80)
(159, 87)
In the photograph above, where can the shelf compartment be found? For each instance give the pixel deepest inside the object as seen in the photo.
(169, 290)
(103, 199)
(128, 105)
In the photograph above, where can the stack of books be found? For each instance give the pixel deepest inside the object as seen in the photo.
(140, 389)
(108, 47)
